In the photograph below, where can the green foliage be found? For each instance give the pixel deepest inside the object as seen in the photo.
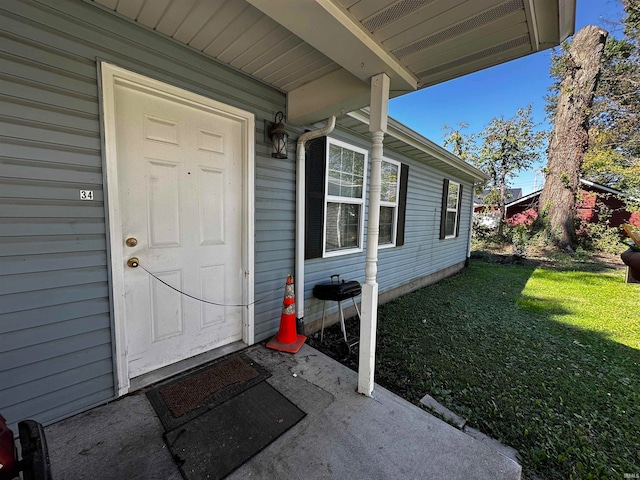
(504, 148)
(605, 164)
(460, 144)
(539, 359)
(509, 146)
(601, 237)
(520, 237)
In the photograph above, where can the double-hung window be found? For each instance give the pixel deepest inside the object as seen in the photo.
(336, 185)
(451, 200)
(344, 208)
(389, 195)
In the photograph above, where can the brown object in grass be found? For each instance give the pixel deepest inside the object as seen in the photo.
(632, 260)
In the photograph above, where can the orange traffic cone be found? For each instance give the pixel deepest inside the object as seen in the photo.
(287, 339)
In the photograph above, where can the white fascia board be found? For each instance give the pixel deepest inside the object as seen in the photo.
(610, 190)
(525, 198)
(567, 21)
(583, 182)
(602, 187)
(332, 30)
(415, 140)
(551, 21)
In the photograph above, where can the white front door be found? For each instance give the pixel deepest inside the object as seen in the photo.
(180, 193)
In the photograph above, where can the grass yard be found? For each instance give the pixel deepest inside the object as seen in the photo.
(545, 360)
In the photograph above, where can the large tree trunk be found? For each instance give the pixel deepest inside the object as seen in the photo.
(570, 137)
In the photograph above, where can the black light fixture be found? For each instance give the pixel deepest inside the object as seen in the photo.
(278, 136)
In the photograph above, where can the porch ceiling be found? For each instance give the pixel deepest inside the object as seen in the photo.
(322, 53)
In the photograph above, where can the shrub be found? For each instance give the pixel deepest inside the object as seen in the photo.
(523, 218)
(598, 236)
(520, 236)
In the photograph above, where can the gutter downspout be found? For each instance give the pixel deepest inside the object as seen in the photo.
(301, 195)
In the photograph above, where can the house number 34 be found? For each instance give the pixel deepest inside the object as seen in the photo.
(86, 194)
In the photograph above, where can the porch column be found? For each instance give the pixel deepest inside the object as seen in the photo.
(368, 324)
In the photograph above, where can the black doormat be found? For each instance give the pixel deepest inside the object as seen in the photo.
(217, 442)
(182, 399)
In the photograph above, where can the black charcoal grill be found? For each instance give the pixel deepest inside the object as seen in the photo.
(337, 291)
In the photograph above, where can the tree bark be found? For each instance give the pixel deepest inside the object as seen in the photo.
(570, 137)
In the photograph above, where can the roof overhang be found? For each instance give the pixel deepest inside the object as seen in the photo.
(323, 53)
(329, 28)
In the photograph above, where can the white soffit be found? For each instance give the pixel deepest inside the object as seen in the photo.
(322, 53)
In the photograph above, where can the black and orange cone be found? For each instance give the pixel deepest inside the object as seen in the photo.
(287, 339)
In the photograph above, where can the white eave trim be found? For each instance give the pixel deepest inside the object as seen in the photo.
(551, 22)
(332, 30)
(419, 142)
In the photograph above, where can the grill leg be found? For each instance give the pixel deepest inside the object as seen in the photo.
(324, 304)
(356, 306)
(344, 330)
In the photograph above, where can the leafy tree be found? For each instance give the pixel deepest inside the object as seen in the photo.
(461, 144)
(507, 146)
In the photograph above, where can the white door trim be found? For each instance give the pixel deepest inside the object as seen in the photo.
(111, 76)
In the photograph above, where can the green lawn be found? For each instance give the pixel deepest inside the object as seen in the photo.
(546, 361)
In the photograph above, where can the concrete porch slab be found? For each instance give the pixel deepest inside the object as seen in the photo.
(344, 435)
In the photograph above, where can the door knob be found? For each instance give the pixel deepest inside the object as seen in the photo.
(131, 242)
(133, 262)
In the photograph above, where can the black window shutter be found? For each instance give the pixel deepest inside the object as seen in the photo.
(402, 204)
(314, 204)
(459, 211)
(443, 213)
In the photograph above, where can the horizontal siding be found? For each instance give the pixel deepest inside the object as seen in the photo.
(34, 318)
(43, 369)
(423, 252)
(55, 329)
(55, 326)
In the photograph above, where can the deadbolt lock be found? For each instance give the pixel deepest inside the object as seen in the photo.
(133, 262)
(131, 242)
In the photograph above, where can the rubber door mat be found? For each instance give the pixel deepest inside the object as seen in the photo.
(181, 399)
(217, 442)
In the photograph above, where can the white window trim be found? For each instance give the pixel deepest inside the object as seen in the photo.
(395, 205)
(456, 210)
(331, 198)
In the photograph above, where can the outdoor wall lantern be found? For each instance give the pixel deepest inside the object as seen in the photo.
(278, 136)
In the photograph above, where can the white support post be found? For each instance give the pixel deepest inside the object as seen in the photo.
(368, 324)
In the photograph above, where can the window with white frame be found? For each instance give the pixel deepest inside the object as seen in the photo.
(389, 195)
(344, 201)
(452, 206)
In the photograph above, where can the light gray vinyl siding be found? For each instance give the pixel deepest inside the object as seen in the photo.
(423, 252)
(55, 318)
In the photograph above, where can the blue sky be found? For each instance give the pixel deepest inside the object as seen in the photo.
(477, 98)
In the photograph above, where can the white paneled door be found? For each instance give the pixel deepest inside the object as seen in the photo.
(180, 188)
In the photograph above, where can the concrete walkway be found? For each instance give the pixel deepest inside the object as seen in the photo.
(344, 435)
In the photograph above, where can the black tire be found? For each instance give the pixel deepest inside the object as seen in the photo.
(344, 349)
(35, 453)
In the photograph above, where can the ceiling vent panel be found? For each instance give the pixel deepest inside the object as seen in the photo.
(461, 28)
(488, 52)
(393, 12)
